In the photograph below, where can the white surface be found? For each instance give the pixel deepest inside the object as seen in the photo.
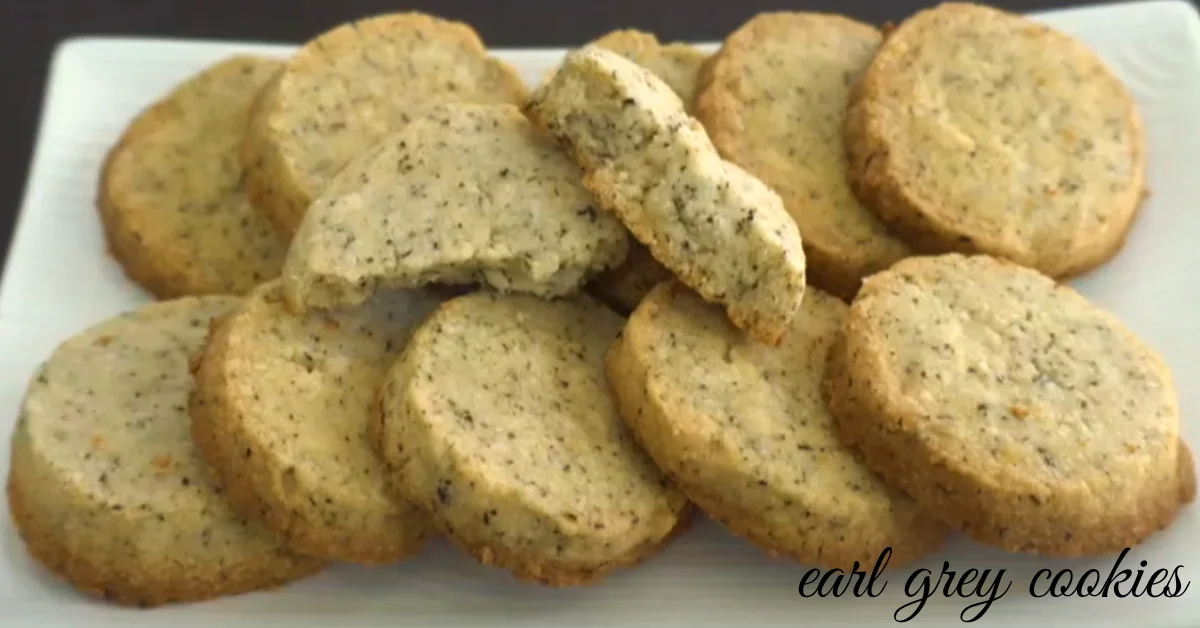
(59, 280)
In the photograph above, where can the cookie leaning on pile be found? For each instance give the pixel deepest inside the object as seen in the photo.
(346, 408)
(678, 65)
(281, 407)
(1010, 407)
(720, 230)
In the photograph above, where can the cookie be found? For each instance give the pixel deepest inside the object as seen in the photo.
(1009, 406)
(463, 194)
(678, 65)
(979, 131)
(742, 430)
(497, 420)
(172, 200)
(773, 101)
(281, 411)
(718, 229)
(105, 486)
(348, 88)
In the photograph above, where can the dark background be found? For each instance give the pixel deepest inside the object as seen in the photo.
(29, 30)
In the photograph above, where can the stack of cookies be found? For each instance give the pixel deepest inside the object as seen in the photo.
(806, 285)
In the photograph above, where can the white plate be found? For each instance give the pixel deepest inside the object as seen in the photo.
(60, 280)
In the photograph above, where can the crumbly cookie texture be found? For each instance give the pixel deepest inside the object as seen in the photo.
(979, 131)
(1009, 406)
(172, 199)
(464, 194)
(678, 65)
(105, 485)
(281, 411)
(351, 86)
(720, 230)
(773, 101)
(497, 420)
(743, 431)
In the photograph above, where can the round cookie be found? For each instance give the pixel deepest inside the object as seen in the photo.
(281, 411)
(1010, 407)
(773, 100)
(497, 420)
(678, 65)
(742, 430)
(172, 199)
(349, 87)
(980, 131)
(465, 193)
(105, 486)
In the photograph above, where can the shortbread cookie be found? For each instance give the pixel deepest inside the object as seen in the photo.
(350, 87)
(1009, 406)
(773, 100)
(980, 131)
(107, 489)
(498, 421)
(743, 431)
(678, 65)
(464, 194)
(720, 230)
(172, 199)
(281, 411)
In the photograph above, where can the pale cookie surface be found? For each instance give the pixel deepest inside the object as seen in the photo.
(743, 431)
(1009, 406)
(979, 131)
(282, 410)
(106, 487)
(464, 194)
(720, 230)
(678, 65)
(773, 100)
(172, 197)
(497, 419)
(350, 87)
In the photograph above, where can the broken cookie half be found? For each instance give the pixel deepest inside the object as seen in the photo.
(465, 194)
(720, 230)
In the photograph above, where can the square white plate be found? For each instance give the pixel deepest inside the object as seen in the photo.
(60, 280)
